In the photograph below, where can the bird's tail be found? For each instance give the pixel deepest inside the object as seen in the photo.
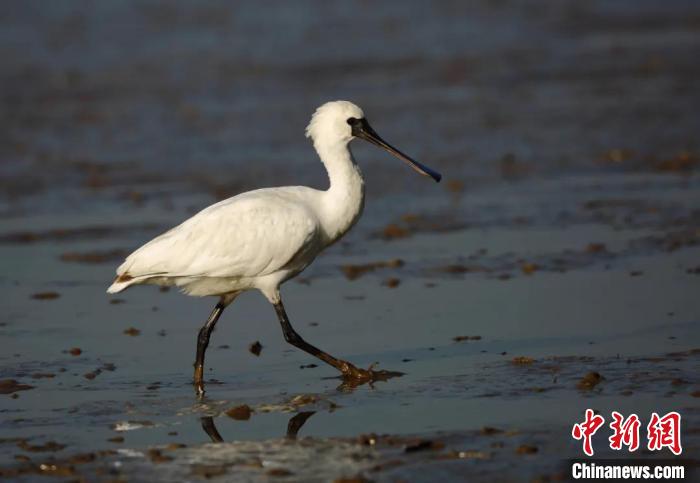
(117, 287)
(122, 282)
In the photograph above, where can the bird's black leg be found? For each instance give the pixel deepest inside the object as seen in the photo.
(349, 371)
(202, 343)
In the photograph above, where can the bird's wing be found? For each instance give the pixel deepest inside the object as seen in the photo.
(254, 234)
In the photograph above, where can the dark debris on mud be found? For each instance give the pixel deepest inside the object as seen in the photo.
(386, 457)
(96, 232)
(671, 373)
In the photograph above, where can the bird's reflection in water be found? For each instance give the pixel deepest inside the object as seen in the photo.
(299, 419)
(210, 428)
(293, 426)
(296, 422)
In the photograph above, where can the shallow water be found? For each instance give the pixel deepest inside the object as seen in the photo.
(566, 231)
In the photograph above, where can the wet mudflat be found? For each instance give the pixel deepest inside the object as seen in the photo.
(556, 269)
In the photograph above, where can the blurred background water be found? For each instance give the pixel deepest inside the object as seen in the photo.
(102, 97)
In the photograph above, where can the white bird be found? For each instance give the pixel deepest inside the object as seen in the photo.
(261, 238)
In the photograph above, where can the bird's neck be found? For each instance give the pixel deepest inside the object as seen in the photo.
(344, 200)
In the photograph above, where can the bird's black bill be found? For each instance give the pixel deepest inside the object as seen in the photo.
(361, 129)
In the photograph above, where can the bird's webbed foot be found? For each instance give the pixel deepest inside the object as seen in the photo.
(354, 376)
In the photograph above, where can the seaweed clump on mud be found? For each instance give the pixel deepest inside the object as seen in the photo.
(10, 386)
(240, 413)
(46, 295)
(589, 381)
(255, 348)
(353, 272)
(94, 257)
(411, 224)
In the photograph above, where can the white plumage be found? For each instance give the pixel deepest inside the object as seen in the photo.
(259, 239)
(240, 243)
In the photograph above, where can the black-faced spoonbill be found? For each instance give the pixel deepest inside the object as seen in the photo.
(260, 239)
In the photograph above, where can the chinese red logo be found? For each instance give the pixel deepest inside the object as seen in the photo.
(587, 429)
(662, 432)
(665, 432)
(625, 432)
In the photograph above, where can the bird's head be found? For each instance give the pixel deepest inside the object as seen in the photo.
(329, 123)
(339, 122)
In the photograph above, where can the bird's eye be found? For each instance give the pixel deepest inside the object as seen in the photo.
(352, 121)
